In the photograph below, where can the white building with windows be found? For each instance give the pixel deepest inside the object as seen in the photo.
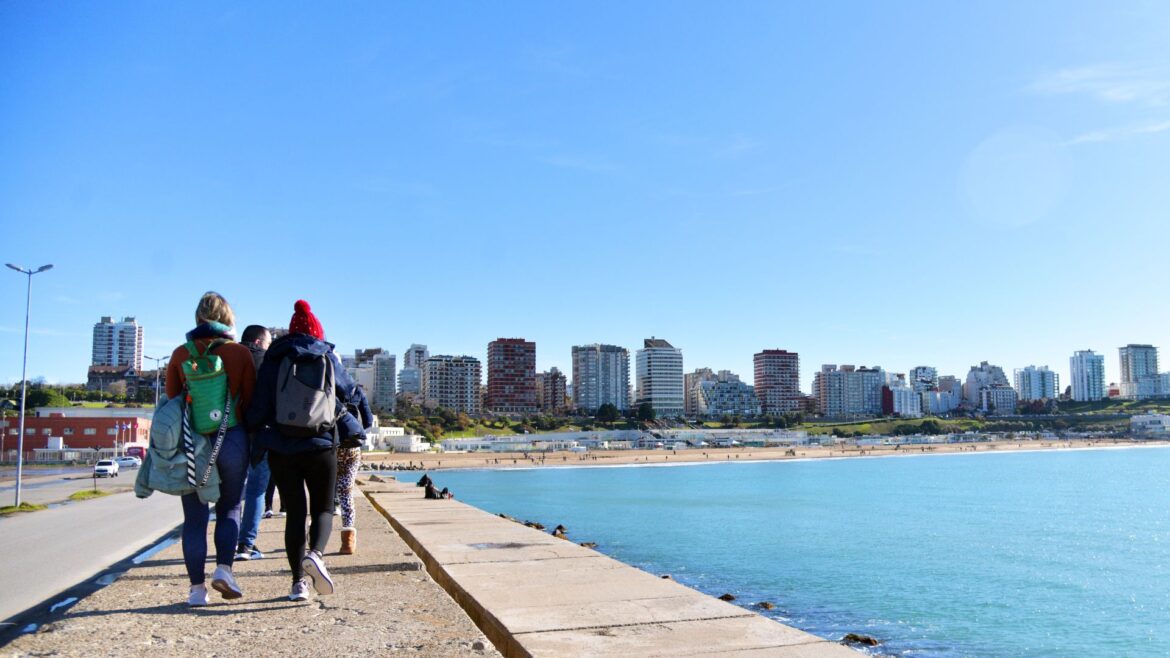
(1088, 376)
(1037, 383)
(660, 378)
(453, 382)
(118, 343)
(979, 378)
(726, 395)
(849, 391)
(1139, 372)
(601, 375)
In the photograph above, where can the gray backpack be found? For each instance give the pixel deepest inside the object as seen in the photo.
(306, 398)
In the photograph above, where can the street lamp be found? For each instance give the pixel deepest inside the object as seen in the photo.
(24, 372)
(158, 361)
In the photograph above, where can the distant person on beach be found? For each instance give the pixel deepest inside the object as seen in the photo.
(214, 335)
(256, 338)
(302, 445)
(352, 422)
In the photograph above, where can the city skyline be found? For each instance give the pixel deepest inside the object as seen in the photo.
(748, 179)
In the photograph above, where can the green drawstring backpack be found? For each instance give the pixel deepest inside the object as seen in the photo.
(207, 388)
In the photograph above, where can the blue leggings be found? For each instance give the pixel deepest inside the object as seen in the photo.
(233, 469)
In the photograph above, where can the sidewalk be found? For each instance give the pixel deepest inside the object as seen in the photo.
(384, 603)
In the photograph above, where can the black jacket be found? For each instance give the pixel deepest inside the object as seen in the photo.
(261, 414)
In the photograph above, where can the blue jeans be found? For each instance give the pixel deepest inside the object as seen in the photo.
(254, 491)
(233, 468)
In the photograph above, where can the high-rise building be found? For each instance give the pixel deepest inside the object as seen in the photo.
(1088, 376)
(1139, 372)
(988, 390)
(550, 390)
(848, 391)
(777, 380)
(900, 399)
(452, 382)
(725, 395)
(981, 377)
(923, 378)
(693, 392)
(511, 380)
(410, 377)
(373, 369)
(660, 378)
(1034, 383)
(117, 343)
(601, 375)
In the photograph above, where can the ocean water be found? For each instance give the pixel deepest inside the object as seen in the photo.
(1052, 553)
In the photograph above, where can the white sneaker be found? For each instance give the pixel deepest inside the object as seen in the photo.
(198, 596)
(225, 583)
(300, 591)
(314, 568)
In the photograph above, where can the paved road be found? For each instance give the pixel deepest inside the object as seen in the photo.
(45, 489)
(49, 551)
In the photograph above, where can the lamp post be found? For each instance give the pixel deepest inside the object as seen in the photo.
(24, 372)
(158, 363)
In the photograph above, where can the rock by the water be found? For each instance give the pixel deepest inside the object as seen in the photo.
(666, 576)
(857, 638)
(765, 605)
(727, 597)
(376, 478)
(589, 544)
(534, 524)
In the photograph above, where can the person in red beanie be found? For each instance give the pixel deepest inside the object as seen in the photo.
(301, 372)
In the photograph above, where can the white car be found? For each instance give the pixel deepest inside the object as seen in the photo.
(106, 468)
(128, 462)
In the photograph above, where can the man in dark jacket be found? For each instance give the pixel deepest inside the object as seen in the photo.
(257, 339)
(300, 460)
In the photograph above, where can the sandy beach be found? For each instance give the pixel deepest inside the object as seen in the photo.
(439, 461)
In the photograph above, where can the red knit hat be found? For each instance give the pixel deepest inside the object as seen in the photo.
(304, 322)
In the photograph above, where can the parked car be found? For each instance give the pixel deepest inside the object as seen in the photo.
(128, 462)
(106, 468)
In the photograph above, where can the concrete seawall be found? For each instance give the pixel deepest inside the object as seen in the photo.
(533, 594)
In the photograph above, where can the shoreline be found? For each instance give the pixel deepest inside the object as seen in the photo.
(691, 456)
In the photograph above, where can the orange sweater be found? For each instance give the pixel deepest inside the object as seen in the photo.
(237, 361)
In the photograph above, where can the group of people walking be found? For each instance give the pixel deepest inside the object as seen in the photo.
(310, 451)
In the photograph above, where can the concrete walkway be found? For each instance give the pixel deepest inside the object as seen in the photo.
(537, 595)
(385, 603)
(494, 588)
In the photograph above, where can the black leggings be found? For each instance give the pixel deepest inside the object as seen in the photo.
(316, 471)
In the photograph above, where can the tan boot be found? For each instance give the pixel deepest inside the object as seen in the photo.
(348, 541)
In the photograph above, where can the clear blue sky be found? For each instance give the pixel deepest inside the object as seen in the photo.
(891, 184)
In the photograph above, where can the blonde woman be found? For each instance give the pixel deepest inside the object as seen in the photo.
(214, 323)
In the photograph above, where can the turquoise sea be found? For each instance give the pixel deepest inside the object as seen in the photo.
(1051, 553)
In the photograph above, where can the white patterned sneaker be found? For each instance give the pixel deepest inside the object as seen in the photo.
(314, 568)
(225, 583)
(198, 596)
(300, 591)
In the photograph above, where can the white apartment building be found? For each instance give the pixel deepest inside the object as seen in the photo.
(848, 391)
(725, 394)
(923, 378)
(905, 402)
(980, 377)
(998, 400)
(660, 378)
(410, 377)
(1139, 372)
(1034, 383)
(453, 382)
(374, 370)
(1088, 376)
(691, 382)
(1150, 425)
(117, 343)
(601, 375)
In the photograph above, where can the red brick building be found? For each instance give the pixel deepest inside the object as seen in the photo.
(77, 428)
(511, 387)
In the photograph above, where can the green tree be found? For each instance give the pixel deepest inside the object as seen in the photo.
(646, 412)
(608, 413)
